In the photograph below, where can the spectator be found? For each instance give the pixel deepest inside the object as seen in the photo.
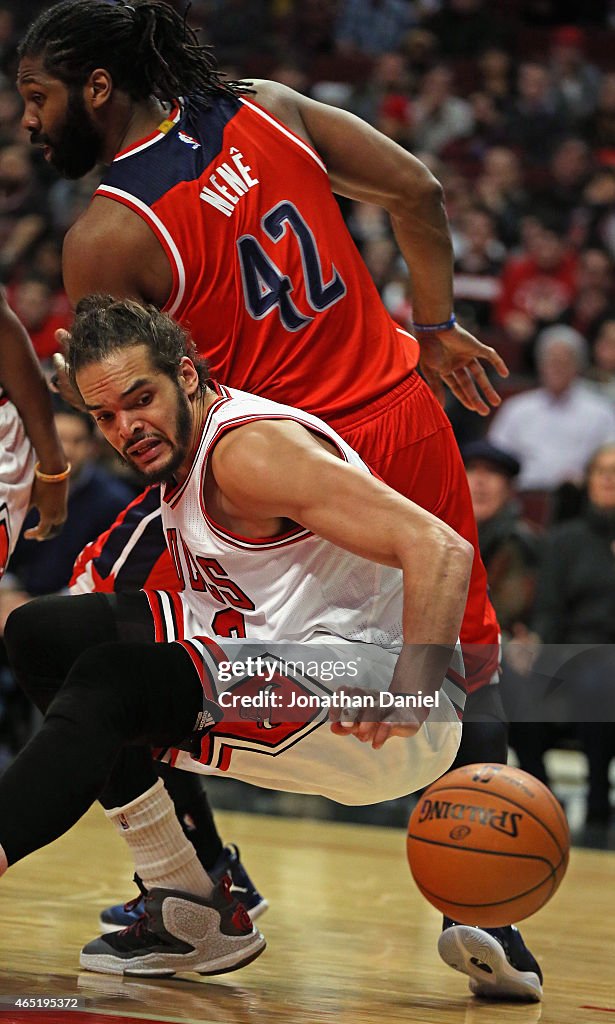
(569, 170)
(291, 72)
(8, 40)
(309, 27)
(501, 190)
(537, 120)
(558, 12)
(509, 545)
(10, 113)
(553, 429)
(373, 27)
(575, 604)
(463, 27)
(602, 371)
(46, 263)
(599, 126)
(594, 221)
(439, 115)
(390, 79)
(380, 255)
(497, 75)
(394, 119)
(232, 22)
(477, 269)
(595, 270)
(575, 79)
(595, 295)
(33, 300)
(468, 152)
(538, 285)
(23, 211)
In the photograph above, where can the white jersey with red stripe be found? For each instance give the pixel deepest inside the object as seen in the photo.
(294, 598)
(16, 477)
(290, 587)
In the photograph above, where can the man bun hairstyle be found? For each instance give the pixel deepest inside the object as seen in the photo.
(145, 45)
(104, 325)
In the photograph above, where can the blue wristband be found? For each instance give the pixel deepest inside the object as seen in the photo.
(446, 326)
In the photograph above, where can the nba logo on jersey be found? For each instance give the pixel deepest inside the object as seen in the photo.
(189, 140)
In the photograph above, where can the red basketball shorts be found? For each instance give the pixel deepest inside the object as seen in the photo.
(408, 440)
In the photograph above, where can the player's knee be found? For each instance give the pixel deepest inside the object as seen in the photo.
(18, 633)
(28, 655)
(102, 685)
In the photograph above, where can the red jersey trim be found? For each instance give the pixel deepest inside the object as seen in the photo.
(206, 656)
(164, 237)
(168, 615)
(406, 334)
(148, 140)
(285, 131)
(253, 543)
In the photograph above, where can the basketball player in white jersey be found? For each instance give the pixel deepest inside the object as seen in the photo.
(280, 533)
(27, 434)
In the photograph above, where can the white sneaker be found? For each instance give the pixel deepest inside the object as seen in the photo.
(497, 961)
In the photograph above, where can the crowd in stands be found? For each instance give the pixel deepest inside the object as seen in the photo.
(511, 103)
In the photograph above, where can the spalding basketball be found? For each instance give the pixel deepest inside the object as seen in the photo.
(488, 845)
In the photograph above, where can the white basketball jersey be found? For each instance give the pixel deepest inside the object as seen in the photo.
(16, 477)
(295, 594)
(291, 587)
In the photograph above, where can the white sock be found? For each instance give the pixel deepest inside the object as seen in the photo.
(164, 858)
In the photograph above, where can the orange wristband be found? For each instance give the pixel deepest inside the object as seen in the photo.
(52, 478)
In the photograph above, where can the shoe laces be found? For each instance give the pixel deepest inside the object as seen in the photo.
(139, 928)
(136, 928)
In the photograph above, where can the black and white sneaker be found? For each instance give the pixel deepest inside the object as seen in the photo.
(179, 932)
(497, 961)
(123, 915)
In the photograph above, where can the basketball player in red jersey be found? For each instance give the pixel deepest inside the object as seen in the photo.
(218, 207)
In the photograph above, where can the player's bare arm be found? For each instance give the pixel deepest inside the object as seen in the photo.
(267, 472)
(111, 250)
(367, 166)
(270, 471)
(23, 380)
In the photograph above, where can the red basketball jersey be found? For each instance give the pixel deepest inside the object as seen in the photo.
(266, 276)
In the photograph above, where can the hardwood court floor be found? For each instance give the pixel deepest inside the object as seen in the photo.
(350, 939)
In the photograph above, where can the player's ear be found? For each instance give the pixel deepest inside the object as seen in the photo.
(188, 376)
(98, 88)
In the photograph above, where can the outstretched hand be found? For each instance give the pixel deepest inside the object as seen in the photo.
(454, 358)
(373, 725)
(60, 381)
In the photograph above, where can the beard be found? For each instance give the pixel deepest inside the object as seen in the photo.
(179, 447)
(76, 148)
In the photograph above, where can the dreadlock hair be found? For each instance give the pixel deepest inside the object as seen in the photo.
(145, 45)
(104, 325)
